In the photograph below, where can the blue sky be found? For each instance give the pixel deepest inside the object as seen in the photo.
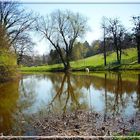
(94, 13)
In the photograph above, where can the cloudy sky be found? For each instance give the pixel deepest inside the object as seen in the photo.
(124, 10)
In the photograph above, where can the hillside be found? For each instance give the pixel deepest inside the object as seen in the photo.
(129, 61)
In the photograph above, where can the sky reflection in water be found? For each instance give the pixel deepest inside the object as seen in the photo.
(58, 93)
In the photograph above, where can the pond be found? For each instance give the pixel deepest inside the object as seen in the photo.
(106, 93)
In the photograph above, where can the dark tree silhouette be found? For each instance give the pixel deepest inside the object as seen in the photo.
(117, 31)
(136, 29)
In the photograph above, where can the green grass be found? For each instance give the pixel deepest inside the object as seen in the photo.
(130, 136)
(43, 68)
(98, 60)
(94, 63)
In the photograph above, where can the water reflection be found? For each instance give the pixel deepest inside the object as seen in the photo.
(115, 98)
(119, 94)
(15, 99)
(27, 94)
(107, 93)
(68, 94)
(8, 102)
(137, 101)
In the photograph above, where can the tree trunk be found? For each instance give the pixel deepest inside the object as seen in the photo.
(67, 66)
(117, 48)
(138, 51)
(18, 62)
(105, 89)
(120, 52)
(62, 59)
(19, 58)
(104, 50)
(138, 91)
(118, 58)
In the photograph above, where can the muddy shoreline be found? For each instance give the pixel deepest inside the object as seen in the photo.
(85, 123)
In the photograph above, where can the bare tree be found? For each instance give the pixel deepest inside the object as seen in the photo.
(61, 29)
(136, 21)
(23, 46)
(117, 31)
(121, 36)
(14, 20)
(105, 32)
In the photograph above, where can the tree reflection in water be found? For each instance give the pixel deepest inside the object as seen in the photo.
(15, 99)
(118, 94)
(105, 91)
(69, 90)
(68, 94)
(137, 101)
(27, 94)
(8, 99)
(26, 100)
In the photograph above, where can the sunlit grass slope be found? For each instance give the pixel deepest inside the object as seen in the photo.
(92, 62)
(98, 60)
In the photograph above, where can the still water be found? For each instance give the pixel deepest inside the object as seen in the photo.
(106, 93)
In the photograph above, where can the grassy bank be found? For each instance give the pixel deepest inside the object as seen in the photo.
(95, 63)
